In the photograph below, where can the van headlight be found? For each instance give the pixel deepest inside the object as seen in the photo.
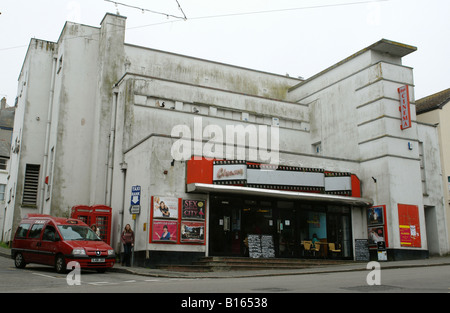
(78, 251)
(110, 252)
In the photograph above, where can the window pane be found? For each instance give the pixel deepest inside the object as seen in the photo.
(22, 230)
(35, 231)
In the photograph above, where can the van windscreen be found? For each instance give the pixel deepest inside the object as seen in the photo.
(76, 232)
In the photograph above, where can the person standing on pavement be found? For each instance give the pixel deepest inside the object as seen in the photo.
(127, 239)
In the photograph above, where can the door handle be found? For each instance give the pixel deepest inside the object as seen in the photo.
(38, 244)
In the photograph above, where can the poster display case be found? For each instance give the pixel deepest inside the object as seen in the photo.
(376, 226)
(177, 221)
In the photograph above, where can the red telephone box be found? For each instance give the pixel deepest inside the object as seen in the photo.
(82, 213)
(100, 215)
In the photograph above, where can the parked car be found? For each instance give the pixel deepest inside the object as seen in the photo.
(56, 241)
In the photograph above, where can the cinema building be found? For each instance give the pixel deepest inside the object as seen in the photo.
(201, 157)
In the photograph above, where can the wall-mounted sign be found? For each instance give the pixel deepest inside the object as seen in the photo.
(405, 108)
(376, 234)
(135, 195)
(375, 215)
(192, 231)
(409, 225)
(193, 209)
(338, 183)
(135, 209)
(164, 230)
(376, 223)
(313, 180)
(405, 235)
(165, 207)
(234, 172)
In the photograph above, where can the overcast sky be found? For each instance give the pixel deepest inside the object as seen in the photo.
(295, 37)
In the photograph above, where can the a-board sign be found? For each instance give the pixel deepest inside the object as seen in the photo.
(362, 250)
(261, 246)
(254, 246)
(267, 247)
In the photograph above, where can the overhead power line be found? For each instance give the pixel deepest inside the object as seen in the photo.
(287, 9)
(151, 11)
(217, 16)
(179, 6)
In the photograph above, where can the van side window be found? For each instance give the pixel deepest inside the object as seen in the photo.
(49, 233)
(35, 231)
(22, 230)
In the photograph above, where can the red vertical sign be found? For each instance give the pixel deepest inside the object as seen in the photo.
(405, 109)
(409, 225)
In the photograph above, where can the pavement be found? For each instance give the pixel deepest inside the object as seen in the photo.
(319, 269)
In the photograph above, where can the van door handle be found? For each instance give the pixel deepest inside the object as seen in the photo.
(38, 244)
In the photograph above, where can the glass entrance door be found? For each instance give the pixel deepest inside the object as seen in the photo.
(225, 237)
(339, 230)
(286, 218)
(257, 219)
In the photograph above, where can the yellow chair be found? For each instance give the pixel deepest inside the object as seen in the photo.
(316, 249)
(332, 249)
(307, 246)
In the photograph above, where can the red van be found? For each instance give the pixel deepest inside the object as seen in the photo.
(57, 241)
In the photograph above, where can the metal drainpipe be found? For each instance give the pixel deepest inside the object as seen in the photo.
(47, 132)
(110, 164)
(124, 171)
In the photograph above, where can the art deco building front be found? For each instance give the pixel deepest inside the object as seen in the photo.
(221, 152)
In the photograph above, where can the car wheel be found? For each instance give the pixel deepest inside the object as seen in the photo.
(60, 264)
(19, 260)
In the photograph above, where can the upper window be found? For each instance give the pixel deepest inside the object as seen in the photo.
(3, 163)
(2, 192)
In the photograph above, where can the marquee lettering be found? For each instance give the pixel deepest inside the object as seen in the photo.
(224, 173)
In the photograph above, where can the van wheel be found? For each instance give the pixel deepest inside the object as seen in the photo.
(60, 264)
(19, 261)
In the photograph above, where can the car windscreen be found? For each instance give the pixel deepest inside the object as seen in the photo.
(77, 232)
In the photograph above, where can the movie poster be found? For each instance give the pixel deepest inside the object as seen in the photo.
(164, 231)
(193, 209)
(376, 234)
(165, 207)
(375, 215)
(192, 231)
